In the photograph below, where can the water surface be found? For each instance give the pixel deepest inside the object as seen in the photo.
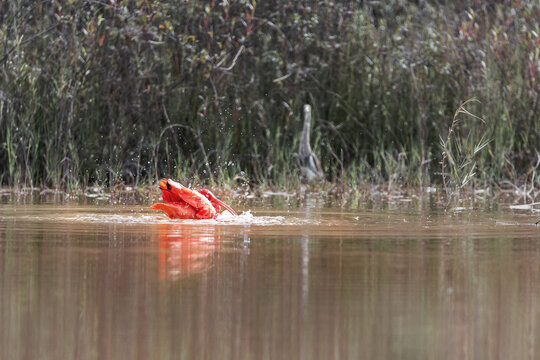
(123, 282)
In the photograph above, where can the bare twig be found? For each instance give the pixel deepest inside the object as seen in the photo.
(282, 77)
(195, 134)
(234, 60)
(31, 38)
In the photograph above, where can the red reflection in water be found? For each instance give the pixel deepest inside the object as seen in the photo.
(185, 251)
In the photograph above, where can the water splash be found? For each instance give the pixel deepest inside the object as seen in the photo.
(224, 219)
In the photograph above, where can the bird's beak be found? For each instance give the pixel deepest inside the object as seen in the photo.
(227, 207)
(222, 204)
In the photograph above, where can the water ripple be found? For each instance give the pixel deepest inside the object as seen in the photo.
(246, 218)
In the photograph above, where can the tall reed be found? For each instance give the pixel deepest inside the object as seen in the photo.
(129, 91)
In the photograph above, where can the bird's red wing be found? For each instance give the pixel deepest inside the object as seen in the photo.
(175, 193)
(200, 203)
(177, 210)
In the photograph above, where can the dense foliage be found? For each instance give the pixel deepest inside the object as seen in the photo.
(128, 91)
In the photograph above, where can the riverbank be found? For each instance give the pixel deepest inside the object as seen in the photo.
(515, 197)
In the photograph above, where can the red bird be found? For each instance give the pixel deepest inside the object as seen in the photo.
(184, 203)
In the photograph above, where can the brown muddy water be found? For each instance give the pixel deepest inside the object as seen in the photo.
(123, 282)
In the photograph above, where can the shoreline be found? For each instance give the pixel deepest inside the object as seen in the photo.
(523, 197)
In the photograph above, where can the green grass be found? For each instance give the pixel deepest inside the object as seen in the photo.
(210, 93)
(460, 152)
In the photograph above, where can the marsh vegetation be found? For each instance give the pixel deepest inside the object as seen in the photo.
(125, 92)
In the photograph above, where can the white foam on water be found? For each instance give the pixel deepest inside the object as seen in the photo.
(278, 193)
(524, 206)
(513, 223)
(246, 218)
